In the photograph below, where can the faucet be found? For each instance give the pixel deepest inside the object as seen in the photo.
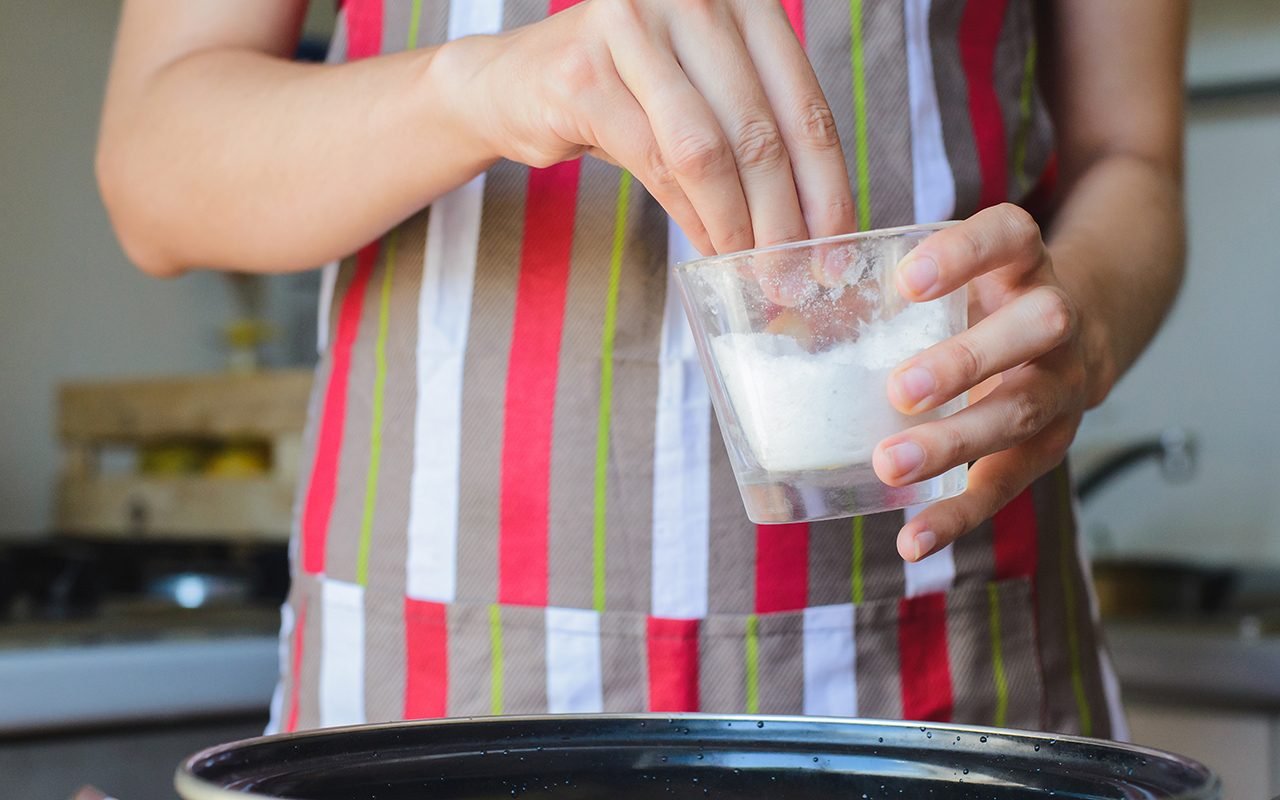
(1174, 449)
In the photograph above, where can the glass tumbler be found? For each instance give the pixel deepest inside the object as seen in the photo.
(797, 342)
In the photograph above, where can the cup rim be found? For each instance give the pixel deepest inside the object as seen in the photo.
(875, 233)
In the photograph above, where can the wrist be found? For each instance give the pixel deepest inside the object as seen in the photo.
(454, 99)
(1097, 339)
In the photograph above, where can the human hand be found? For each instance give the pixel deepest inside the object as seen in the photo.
(713, 106)
(1023, 360)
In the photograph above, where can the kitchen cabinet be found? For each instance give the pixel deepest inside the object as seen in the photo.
(1243, 747)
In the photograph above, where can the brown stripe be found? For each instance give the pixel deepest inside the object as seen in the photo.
(524, 645)
(731, 561)
(876, 643)
(970, 653)
(353, 460)
(470, 660)
(1023, 679)
(388, 551)
(337, 53)
(781, 667)
(1060, 713)
(975, 556)
(883, 575)
(1010, 65)
(395, 23)
(384, 653)
(953, 102)
(637, 341)
(624, 662)
(722, 665)
(888, 114)
(573, 442)
(830, 562)
(828, 45)
(484, 373)
(312, 645)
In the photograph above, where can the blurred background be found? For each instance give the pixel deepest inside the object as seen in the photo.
(148, 438)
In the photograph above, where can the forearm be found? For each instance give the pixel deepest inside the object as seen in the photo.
(1118, 243)
(237, 159)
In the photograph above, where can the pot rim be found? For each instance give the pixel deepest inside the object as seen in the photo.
(192, 787)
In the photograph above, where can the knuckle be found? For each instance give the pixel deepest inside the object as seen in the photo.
(759, 145)
(699, 155)
(954, 445)
(575, 71)
(817, 125)
(966, 358)
(1058, 441)
(1019, 224)
(738, 236)
(1056, 312)
(660, 178)
(1027, 414)
(836, 215)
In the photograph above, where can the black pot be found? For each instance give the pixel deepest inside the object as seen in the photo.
(692, 757)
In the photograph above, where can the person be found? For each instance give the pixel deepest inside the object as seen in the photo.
(514, 499)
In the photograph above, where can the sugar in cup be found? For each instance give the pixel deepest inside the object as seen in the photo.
(797, 342)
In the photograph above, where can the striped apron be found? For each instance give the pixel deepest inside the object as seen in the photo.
(515, 498)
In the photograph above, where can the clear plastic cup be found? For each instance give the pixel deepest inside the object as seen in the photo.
(797, 343)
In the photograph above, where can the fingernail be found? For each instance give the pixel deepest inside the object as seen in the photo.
(920, 273)
(925, 541)
(905, 458)
(915, 384)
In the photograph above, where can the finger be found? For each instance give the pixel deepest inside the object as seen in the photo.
(993, 482)
(1001, 237)
(804, 118)
(1033, 324)
(689, 137)
(714, 56)
(1025, 403)
(624, 136)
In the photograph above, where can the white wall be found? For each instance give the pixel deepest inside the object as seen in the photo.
(1215, 368)
(70, 305)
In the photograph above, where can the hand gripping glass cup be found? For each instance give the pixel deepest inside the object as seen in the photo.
(798, 342)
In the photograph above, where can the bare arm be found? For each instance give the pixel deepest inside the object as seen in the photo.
(1115, 85)
(1059, 317)
(216, 150)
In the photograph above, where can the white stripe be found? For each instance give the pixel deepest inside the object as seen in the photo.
(275, 723)
(932, 180)
(444, 317)
(574, 677)
(681, 460)
(830, 662)
(341, 653)
(328, 279)
(936, 573)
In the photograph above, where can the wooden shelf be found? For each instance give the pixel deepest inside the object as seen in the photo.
(261, 404)
(182, 507)
(209, 411)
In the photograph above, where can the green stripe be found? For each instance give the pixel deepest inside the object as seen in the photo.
(1073, 634)
(495, 647)
(415, 18)
(604, 417)
(1024, 118)
(860, 115)
(375, 426)
(997, 657)
(753, 664)
(857, 560)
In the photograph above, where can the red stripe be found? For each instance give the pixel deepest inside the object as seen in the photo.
(324, 471)
(795, 13)
(531, 383)
(364, 28)
(979, 33)
(556, 6)
(426, 688)
(924, 663)
(782, 567)
(295, 674)
(673, 664)
(1016, 536)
